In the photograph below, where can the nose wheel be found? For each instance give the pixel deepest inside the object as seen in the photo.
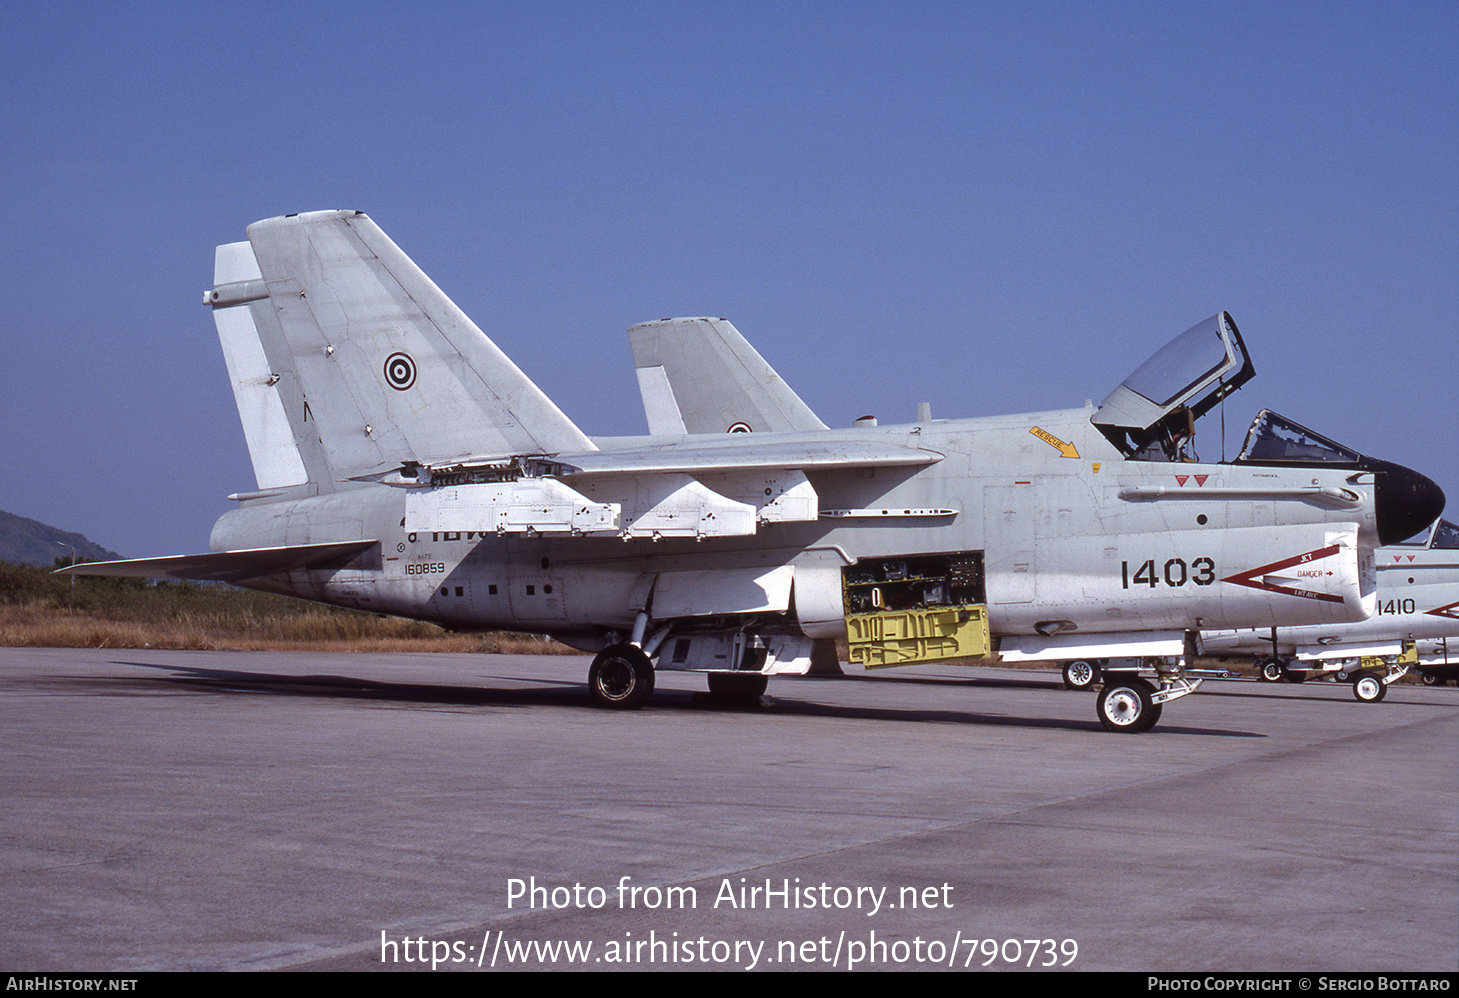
(1128, 705)
(1369, 688)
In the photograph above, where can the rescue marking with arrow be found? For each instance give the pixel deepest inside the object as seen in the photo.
(1064, 449)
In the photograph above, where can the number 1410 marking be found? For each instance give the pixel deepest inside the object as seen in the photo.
(1201, 571)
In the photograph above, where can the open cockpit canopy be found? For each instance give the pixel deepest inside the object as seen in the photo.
(1154, 410)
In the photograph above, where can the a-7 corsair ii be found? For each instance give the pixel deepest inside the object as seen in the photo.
(406, 466)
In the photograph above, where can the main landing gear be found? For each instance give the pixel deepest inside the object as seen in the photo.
(621, 677)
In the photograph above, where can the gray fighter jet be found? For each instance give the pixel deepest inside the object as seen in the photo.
(406, 466)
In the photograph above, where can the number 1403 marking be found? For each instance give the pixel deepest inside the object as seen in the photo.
(1201, 571)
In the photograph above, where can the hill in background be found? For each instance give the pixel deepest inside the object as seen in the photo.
(30, 542)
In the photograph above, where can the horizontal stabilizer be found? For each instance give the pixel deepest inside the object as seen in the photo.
(227, 566)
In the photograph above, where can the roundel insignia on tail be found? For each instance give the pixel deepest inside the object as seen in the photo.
(740, 427)
(399, 371)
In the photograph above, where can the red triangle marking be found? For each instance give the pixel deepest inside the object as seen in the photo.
(1248, 578)
(1450, 610)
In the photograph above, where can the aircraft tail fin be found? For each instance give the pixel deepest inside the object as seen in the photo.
(702, 376)
(347, 360)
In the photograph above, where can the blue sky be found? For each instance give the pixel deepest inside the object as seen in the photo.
(989, 207)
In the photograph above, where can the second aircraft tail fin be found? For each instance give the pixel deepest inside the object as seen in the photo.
(702, 376)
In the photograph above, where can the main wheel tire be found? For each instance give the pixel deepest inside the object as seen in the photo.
(1368, 688)
(1296, 677)
(1080, 674)
(1271, 670)
(738, 687)
(621, 677)
(1127, 705)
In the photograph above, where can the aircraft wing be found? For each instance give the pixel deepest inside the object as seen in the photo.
(226, 566)
(714, 486)
(748, 453)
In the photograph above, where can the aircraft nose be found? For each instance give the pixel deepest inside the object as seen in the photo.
(1407, 502)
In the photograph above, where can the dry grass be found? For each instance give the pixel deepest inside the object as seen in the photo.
(38, 609)
(61, 628)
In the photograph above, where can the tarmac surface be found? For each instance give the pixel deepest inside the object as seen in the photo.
(249, 811)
